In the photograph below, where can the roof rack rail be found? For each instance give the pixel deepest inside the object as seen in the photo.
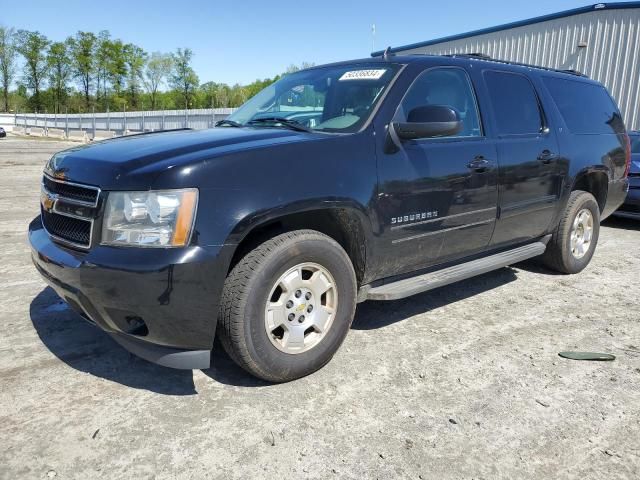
(572, 71)
(482, 56)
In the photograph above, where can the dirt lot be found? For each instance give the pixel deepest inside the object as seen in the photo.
(462, 382)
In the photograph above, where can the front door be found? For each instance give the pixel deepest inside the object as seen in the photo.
(437, 197)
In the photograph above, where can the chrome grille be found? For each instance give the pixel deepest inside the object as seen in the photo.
(71, 229)
(71, 192)
(68, 211)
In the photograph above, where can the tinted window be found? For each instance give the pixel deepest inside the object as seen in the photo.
(635, 144)
(444, 86)
(585, 107)
(515, 103)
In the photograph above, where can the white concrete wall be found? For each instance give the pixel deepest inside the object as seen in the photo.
(7, 121)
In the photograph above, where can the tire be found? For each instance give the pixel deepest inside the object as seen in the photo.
(253, 287)
(561, 254)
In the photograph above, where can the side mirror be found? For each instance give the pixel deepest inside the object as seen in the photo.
(428, 122)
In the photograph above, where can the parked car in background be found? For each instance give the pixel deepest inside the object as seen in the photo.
(631, 206)
(373, 179)
(2, 133)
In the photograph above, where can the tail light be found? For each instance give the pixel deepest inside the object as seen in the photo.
(627, 165)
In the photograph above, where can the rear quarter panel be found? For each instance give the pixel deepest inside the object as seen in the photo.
(589, 153)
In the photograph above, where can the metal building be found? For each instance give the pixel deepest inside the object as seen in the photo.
(602, 41)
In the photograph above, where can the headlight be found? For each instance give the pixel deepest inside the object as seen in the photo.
(161, 218)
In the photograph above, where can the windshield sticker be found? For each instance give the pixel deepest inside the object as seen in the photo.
(363, 75)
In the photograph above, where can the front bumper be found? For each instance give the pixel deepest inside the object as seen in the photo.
(631, 206)
(160, 304)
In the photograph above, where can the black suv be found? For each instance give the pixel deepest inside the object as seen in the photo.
(373, 179)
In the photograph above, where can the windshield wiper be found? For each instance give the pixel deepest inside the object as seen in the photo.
(229, 123)
(286, 122)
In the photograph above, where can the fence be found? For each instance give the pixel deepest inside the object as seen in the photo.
(124, 122)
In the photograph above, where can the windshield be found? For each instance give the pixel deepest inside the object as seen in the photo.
(331, 99)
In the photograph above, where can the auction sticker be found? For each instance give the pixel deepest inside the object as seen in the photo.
(363, 75)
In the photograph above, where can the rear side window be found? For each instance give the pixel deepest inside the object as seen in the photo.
(586, 108)
(515, 103)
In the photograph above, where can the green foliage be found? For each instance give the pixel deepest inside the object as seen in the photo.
(8, 55)
(135, 59)
(157, 71)
(82, 49)
(183, 77)
(33, 46)
(116, 65)
(59, 63)
(88, 71)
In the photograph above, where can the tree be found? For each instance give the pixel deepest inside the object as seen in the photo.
(59, 72)
(7, 62)
(135, 59)
(183, 77)
(116, 65)
(238, 95)
(102, 66)
(33, 46)
(82, 47)
(158, 69)
(303, 66)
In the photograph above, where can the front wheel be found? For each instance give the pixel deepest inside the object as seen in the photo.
(288, 305)
(574, 240)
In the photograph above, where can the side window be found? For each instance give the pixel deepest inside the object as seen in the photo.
(515, 103)
(444, 86)
(585, 107)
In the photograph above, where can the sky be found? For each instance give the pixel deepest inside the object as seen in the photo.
(238, 41)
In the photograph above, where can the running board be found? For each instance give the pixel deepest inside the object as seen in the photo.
(429, 281)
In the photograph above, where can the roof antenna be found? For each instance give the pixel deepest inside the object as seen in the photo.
(387, 53)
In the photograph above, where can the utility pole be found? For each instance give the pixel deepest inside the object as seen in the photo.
(373, 37)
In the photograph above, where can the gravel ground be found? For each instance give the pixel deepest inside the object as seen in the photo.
(461, 382)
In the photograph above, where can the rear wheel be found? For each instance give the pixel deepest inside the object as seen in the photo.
(575, 239)
(288, 305)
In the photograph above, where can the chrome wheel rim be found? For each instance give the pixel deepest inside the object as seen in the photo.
(301, 308)
(581, 233)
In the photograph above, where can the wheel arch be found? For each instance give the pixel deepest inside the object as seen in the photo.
(596, 182)
(344, 222)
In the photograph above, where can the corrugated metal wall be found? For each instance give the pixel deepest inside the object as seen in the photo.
(612, 54)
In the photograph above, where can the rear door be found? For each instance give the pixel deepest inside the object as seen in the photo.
(529, 170)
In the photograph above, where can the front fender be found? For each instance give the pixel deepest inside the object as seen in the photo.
(344, 220)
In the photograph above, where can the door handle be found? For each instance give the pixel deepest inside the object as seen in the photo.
(547, 156)
(479, 164)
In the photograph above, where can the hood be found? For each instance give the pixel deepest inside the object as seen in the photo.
(134, 162)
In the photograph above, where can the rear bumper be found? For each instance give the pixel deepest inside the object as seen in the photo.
(160, 304)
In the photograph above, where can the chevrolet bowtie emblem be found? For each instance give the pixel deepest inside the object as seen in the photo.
(47, 200)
